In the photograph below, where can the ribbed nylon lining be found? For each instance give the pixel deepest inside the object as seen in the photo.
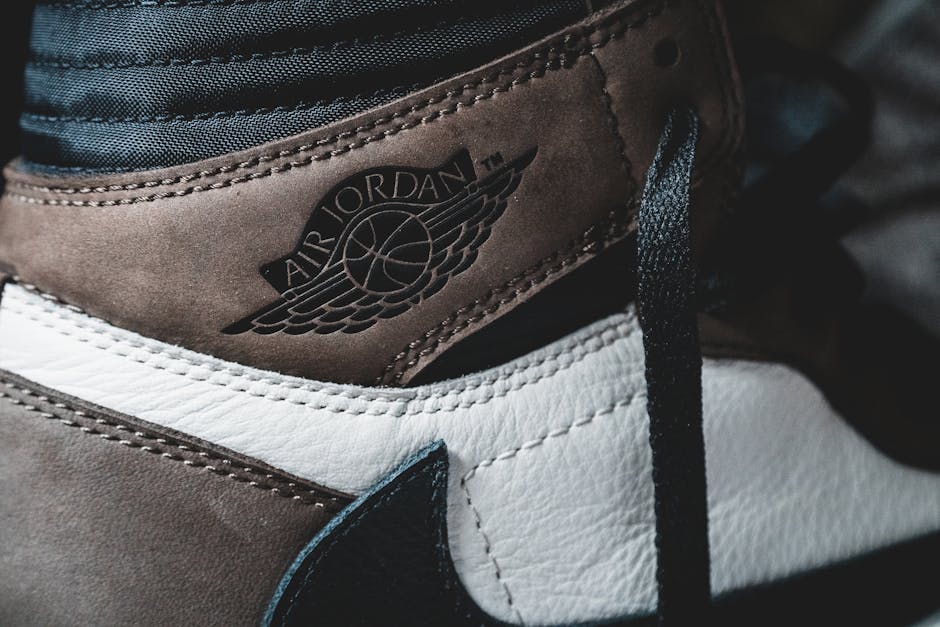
(134, 84)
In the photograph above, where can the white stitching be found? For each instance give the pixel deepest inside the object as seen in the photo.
(399, 411)
(604, 337)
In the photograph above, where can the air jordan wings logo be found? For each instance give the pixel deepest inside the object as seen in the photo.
(381, 241)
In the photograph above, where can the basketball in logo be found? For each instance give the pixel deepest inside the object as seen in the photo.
(387, 251)
(381, 241)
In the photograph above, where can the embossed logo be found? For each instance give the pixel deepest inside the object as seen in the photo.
(382, 241)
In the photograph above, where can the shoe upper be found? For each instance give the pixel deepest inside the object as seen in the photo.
(362, 251)
(238, 391)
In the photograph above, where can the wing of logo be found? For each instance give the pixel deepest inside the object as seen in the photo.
(394, 250)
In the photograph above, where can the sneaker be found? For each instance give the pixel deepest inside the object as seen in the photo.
(511, 349)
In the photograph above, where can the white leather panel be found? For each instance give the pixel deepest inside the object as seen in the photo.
(550, 501)
(791, 485)
(512, 423)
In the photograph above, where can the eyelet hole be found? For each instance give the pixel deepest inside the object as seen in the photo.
(666, 53)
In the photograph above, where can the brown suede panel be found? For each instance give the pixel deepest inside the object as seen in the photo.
(176, 254)
(107, 521)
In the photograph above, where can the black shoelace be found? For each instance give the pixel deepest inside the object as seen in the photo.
(667, 313)
(756, 243)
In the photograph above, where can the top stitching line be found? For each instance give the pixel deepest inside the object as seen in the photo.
(44, 62)
(390, 92)
(620, 329)
(512, 453)
(488, 550)
(403, 411)
(614, 121)
(396, 408)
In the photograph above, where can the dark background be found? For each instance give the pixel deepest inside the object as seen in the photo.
(14, 36)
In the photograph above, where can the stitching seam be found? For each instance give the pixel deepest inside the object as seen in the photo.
(555, 433)
(489, 552)
(511, 455)
(161, 446)
(557, 59)
(392, 92)
(721, 70)
(622, 333)
(62, 63)
(448, 329)
(126, 4)
(571, 258)
(614, 123)
(621, 330)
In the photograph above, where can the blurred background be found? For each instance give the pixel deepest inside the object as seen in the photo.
(893, 44)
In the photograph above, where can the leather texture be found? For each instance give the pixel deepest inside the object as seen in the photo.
(105, 520)
(176, 254)
(390, 547)
(558, 436)
(876, 367)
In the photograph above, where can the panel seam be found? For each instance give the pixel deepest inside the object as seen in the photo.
(620, 329)
(17, 308)
(397, 91)
(483, 307)
(511, 455)
(728, 125)
(488, 548)
(63, 63)
(161, 447)
(615, 124)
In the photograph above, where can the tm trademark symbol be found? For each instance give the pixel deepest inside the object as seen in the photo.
(493, 161)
